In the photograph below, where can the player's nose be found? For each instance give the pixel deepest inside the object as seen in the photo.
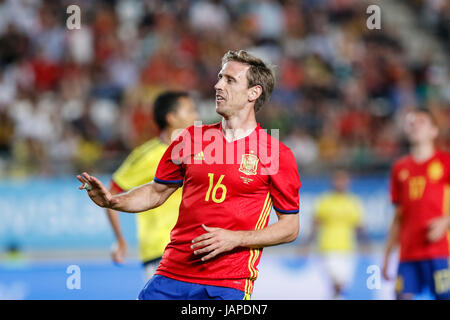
(219, 85)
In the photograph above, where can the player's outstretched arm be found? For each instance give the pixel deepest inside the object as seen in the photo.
(218, 240)
(392, 241)
(142, 198)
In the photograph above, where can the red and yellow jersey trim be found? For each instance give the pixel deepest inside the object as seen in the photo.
(446, 208)
(256, 252)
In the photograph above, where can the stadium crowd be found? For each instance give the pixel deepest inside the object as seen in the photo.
(74, 100)
(435, 15)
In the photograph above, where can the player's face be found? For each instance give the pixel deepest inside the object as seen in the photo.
(341, 181)
(232, 92)
(184, 115)
(419, 128)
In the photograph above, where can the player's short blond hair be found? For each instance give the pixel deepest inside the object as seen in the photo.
(259, 73)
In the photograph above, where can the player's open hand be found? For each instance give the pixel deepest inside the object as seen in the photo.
(119, 251)
(215, 241)
(96, 190)
(438, 228)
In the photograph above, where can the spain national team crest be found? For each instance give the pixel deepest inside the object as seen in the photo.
(435, 170)
(249, 164)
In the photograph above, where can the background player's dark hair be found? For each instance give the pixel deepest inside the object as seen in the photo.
(166, 103)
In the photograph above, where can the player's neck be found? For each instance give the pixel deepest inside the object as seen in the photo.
(235, 128)
(422, 152)
(166, 135)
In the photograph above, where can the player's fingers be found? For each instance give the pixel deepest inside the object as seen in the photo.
(97, 183)
(208, 229)
(433, 235)
(91, 179)
(203, 243)
(117, 258)
(203, 237)
(433, 224)
(206, 249)
(83, 182)
(211, 255)
(86, 176)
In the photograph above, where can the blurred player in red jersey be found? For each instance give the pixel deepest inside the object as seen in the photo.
(420, 190)
(232, 173)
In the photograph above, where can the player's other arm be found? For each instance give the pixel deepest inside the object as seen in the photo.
(120, 248)
(285, 230)
(142, 198)
(218, 240)
(284, 190)
(392, 240)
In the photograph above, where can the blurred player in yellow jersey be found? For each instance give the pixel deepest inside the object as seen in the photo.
(172, 110)
(337, 218)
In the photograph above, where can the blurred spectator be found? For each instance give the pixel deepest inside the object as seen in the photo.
(341, 88)
(303, 147)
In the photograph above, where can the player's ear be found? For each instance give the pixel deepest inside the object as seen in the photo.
(254, 93)
(171, 119)
(435, 132)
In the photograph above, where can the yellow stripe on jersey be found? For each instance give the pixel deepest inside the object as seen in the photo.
(153, 226)
(446, 207)
(255, 253)
(261, 215)
(246, 296)
(265, 216)
(446, 199)
(247, 285)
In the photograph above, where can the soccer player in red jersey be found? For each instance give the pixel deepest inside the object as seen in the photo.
(232, 174)
(420, 190)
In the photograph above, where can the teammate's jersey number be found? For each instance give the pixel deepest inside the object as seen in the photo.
(416, 187)
(442, 281)
(212, 190)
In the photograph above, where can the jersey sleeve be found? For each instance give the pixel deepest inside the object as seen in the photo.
(285, 185)
(170, 168)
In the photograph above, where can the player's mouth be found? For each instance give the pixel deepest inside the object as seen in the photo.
(219, 98)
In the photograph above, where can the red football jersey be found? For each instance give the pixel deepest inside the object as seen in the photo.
(422, 191)
(230, 185)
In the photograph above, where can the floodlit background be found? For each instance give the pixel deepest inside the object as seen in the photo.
(80, 100)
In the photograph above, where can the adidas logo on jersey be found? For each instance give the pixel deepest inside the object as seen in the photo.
(199, 156)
